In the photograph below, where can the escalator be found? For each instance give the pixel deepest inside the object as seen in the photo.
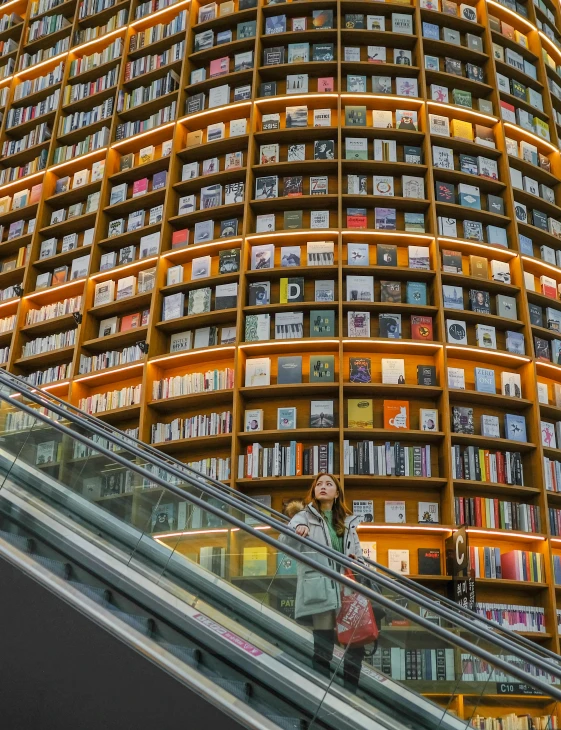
(181, 591)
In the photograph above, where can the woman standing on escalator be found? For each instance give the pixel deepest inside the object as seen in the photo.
(325, 518)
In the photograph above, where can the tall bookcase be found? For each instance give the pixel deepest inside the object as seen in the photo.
(299, 124)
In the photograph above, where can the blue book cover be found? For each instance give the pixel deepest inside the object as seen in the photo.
(515, 342)
(416, 292)
(286, 565)
(485, 380)
(556, 351)
(515, 427)
(431, 30)
(526, 245)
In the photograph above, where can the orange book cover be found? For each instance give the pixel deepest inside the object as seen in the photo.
(36, 193)
(130, 321)
(299, 455)
(396, 414)
(487, 464)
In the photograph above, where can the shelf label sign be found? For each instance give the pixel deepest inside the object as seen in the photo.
(516, 688)
(457, 561)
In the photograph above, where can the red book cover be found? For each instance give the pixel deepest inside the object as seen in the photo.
(356, 221)
(497, 513)
(180, 238)
(145, 318)
(128, 71)
(140, 187)
(299, 457)
(35, 195)
(130, 321)
(248, 461)
(509, 564)
(421, 328)
(487, 466)
(478, 511)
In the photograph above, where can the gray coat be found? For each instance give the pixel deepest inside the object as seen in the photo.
(315, 593)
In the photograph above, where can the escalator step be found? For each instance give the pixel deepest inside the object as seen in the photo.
(192, 657)
(241, 690)
(22, 543)
(287, 723)
(99, 595)
(140, 623)
(63, 570)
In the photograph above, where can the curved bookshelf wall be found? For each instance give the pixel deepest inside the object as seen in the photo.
(277, 238)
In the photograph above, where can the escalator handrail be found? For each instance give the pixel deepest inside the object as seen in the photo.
(178, 468)
(337, 558)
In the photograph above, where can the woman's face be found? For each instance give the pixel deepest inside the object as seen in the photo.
(326, 489)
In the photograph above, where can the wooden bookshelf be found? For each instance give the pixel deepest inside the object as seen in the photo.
(93, 61)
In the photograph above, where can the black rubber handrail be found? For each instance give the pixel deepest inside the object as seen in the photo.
(335, 557)
(179, 469)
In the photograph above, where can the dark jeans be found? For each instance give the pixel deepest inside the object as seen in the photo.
(324, 643)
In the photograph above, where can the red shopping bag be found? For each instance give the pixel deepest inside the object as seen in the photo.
(356, 624)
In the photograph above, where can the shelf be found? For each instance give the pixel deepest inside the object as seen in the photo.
(193, 400)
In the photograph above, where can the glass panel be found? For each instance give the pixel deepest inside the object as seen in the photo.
(257, 590)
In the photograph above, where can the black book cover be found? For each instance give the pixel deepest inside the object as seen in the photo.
(386, 254)
(268, 88)
(322, 52)
(412, 154)
(426, 375)
(495, 204)
(541, 348)
(229, 261)
(479, 301)
(429, 561)
(445, 192)
(539, 219)
(536, 315)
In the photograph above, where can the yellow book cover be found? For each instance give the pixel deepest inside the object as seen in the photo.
(479, 266)
(360, 413)
(520, 38)
(226, 8)
(369, 550)
(194, 138)
(482, 465)
(284, 291)
(5, 204)
(461, 129)
(255, 561)
(146, 154)
(21, 257)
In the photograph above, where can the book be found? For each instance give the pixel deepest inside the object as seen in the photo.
(428, 513)
(286, 418)
(321, 414)
(393, 371)
(394, 512)
(428, 419)
(360, 413)
(396, 414)
(398, 561)
(429, 561)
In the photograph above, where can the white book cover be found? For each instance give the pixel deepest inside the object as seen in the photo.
(258, 371)
(394, 512)
(360, 288)
(398, 561)
(456, 332)
(428, 512)
(393, 371)
(358, 324)
(456, 378)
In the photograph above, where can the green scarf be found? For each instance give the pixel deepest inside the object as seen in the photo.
(336, 540)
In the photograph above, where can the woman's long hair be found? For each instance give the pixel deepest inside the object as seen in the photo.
(340, 509)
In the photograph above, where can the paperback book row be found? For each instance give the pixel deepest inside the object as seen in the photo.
(90, 143)
(48, 343)
(484, 336)
(76, 209)
(80, 119)
(79, 65)
(212, 424)
(113, 325)
(536, 218)
(285, 461)
(78, 180)
(514, 617)
(511, 721)
(21, 199)
(318, 253)
(143, 94)
(484, 381)
(211, 165)
(145, 64)
(110, 359)
(479, 670)
(258, 370)
(213, 466)
(26, 59)
(162, 116)
(212, 196)
(48, 452)
(41, 133)
(497, 514)
(408, 186)
(388, 459)
(112, 399)
(555, 521)
(289, 325)
(22, 114)
(16, 421)
(50, 375)
(522, 565)
(385, 219)
(78, 91)
(158, 32)
(514, 424)
(210, 380)
(483, 465)
(8, 174)
(413, 664)
(552, 474)
(110, 291)
(141, 186)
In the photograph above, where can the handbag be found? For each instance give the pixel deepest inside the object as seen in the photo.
(355, 622)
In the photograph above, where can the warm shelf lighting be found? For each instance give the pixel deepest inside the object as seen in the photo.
(134, 265)
(387, 234)
(514, 15)
(543, 265)
(32, 69)
(476, 244)
(168, 9)
(550, 365)
(102, 39)
(497, 353)
(505, 533)
(134, 137)
(7, 303)
(24, 180)
(55, 385)
(281, 97)
(41, 292)
(550, 43)
(200, 246)
(284, 343)
(290, 234)
(383, 341)
(187, 353)
(533, 137)
(103, 373)
(236, 105)
(407, 528)
(67, 163)
(5, 81)
(471, 112)
(191, 532)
